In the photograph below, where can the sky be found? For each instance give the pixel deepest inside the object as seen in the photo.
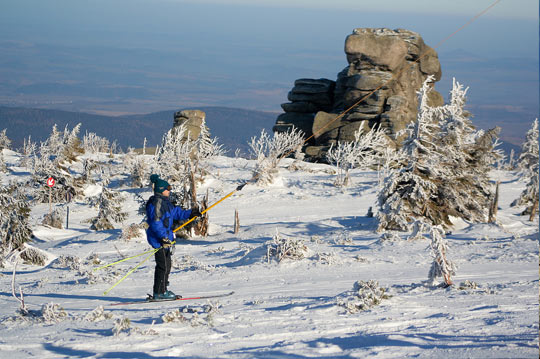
(519, 9)
(140, 56)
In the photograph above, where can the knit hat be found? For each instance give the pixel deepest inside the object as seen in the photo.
(159, 184)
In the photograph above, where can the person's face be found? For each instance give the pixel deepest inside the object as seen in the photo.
(166, 193)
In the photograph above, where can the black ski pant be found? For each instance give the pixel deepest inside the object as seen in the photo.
(163, 268)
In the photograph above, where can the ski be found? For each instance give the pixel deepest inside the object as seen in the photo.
(149, 300)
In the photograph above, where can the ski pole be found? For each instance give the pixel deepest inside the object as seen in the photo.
(122, 260)
(132, 270)
(239, 188)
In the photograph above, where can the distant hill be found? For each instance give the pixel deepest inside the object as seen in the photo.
(233, 126)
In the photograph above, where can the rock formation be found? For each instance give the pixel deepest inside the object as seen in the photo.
(192, 119)
(395, 63)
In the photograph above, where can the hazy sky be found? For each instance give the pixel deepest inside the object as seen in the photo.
(148, 55)
(526, 9)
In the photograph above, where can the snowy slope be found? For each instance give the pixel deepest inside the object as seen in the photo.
(279, 310)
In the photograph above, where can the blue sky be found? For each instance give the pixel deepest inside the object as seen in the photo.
(521, 9)
(239, 53)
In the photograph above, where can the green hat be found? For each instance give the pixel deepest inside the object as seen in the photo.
(159, 184)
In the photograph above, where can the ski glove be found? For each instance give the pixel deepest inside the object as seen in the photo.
(166, 243)
(195, 212)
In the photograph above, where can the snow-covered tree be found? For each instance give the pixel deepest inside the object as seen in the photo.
(365, 151)
(93, 143)
(14, 222)
(173, 156)
(528, 164)
(446, 167)
(27, 151)
(207, 147)
(528, 159)
(467, 156)
(110, 210)
(55, 157)
(5, 142)
(410, 192)
(270, 150)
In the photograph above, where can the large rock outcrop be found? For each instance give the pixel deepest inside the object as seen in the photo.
(394, 63)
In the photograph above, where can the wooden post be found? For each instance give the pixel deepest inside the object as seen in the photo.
(236, 222)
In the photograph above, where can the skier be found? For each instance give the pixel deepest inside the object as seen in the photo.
(160, 214)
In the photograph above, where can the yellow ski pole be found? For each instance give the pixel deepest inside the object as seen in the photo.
(125, 259)
(132, 270)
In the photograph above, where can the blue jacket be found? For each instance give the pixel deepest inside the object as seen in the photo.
(160, 214)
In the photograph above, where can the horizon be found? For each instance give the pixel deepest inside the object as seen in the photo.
(136, 57)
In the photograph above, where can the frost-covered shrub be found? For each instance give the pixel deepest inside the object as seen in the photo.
(389, 237)
(194, 316)
(269, 151)
(121, 325)
(134, 230)
(3, 166)
(53, 313)
(441, 265)
(363, 296)
(467, 285)
(365, 151)
(53, 219)
(187, 262)
(97, 315)
(33, 255)
(71, 262)
(327, 258)
(110, 210)
(286, 248)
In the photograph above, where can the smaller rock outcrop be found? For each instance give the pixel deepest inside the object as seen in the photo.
(192, 120)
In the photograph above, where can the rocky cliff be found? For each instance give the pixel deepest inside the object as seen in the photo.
(393, 62)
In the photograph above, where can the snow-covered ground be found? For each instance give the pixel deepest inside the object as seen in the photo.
(292, 309)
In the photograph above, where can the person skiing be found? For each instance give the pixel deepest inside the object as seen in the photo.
(160, 214)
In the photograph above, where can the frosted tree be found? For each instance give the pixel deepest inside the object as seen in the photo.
(207, 146)
(54, 159)
(110, 210)
(93, 143)
(528, 165)
(410, 192)
(28, 151)
(446, 167)
(441, 265)
(14, 222)
(173, 156)
(467, 157)
(269, 151)
(5, 142)
(365, 151)
(528, 158)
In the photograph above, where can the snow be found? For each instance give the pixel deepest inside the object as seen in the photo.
(280, 310)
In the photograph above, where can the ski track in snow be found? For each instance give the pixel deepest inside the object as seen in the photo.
(288, 309)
